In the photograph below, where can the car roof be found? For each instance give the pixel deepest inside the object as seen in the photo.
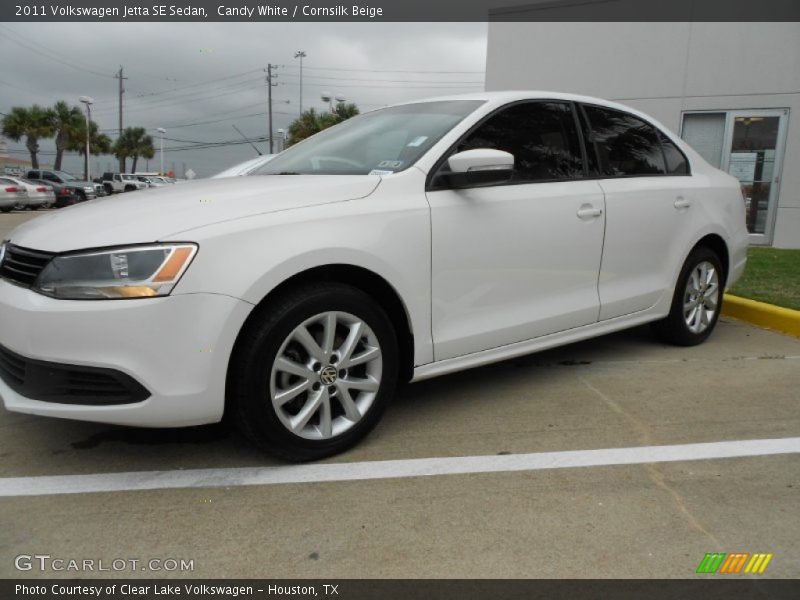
(500, 98)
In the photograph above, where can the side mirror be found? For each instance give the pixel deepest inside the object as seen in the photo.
(482, 166)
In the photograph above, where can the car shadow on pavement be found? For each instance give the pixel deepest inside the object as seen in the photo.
(65, 446)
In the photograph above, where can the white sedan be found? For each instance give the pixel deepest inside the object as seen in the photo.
(38, 194)
(402, 244)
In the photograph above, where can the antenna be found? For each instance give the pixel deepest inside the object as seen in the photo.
(247, 140)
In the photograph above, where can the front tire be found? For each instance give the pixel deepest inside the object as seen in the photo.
(313, 371)
(696, 302)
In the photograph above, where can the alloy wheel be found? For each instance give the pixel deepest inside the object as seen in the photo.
(326, 375)
(701, 297)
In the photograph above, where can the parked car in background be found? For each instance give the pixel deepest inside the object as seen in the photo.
(244, 168)
(152, 181)
(38, 194)
(64, 194)
(11, 195)
(122, 182)
(84, 189)
(402, 244)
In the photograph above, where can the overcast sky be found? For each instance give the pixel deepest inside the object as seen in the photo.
(190, 73)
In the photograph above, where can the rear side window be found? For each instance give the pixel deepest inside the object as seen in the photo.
(626, 146)
(675, 159)
(542, 136)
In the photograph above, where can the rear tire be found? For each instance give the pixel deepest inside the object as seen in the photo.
(696, 302)
(345, 386)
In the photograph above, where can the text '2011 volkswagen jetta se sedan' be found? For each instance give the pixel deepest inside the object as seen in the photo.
(402, 244)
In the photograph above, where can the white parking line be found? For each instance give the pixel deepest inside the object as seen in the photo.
(388, 469)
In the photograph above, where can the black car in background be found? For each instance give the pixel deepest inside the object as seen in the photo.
(84, 189)
(65, 195)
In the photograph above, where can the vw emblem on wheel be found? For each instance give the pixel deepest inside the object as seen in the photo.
(328, 375)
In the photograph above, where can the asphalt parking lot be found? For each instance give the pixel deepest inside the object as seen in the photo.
(609, 520)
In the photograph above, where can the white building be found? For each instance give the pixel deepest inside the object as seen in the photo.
(732, 90)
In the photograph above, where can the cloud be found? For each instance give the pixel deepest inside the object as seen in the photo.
(188, 73)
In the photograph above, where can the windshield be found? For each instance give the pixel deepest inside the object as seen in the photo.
(379, 142)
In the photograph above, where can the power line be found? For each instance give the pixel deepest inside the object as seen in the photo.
(386, 70)
(385, 80)
(51, 56)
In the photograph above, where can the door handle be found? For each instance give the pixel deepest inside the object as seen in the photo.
(681, 202)
(587, 211)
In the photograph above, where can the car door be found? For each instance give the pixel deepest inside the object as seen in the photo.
(648, 209)
(519, 260)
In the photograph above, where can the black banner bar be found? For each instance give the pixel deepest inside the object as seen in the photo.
(401, 10)
(714, 587)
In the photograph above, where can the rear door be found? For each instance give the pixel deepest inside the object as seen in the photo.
(649, 204)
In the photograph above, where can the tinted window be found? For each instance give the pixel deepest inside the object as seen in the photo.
(625, 144)
(542, 136)
(676, 161)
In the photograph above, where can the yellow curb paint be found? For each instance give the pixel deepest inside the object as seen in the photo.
(762, 314)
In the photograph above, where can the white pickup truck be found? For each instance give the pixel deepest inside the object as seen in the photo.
(122, 182)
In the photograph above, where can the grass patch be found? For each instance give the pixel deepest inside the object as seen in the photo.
(771, 276)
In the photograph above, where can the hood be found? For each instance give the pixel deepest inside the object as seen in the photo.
(156, 213)
(82, 184)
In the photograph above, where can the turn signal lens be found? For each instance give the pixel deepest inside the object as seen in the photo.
(130, 272)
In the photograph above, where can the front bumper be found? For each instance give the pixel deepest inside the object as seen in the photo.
(176, 347)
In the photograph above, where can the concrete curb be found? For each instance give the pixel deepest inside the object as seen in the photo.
(762, 314)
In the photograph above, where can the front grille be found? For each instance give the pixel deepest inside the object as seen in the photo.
(22, 266)
(68, 384)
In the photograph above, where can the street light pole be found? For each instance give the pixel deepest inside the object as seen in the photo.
(88, 102)
(301, 55)
(162, 131)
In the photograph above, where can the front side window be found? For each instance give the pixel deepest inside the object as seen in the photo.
(542, 136)
(384, 141)
(626, 146)
(675, 160)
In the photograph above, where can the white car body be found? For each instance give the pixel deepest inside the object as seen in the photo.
(483, 274)
(244, 168)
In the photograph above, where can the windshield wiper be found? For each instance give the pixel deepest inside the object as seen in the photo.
(286, 173)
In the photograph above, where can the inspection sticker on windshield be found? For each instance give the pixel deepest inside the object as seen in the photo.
(417, 141)
(380, 172)
(390, 164)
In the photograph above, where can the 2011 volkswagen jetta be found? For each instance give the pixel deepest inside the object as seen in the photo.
(402, 244)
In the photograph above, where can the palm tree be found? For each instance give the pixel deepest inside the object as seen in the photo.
(31, 123)
(134, 142)
(145, 149)
(345, 111)
(66, 121)
(99, 143)
(309, 123)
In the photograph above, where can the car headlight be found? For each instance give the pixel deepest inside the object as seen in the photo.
(130, 272)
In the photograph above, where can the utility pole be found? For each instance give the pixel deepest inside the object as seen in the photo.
(121, 91)
(301, 55)
(270, 85)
